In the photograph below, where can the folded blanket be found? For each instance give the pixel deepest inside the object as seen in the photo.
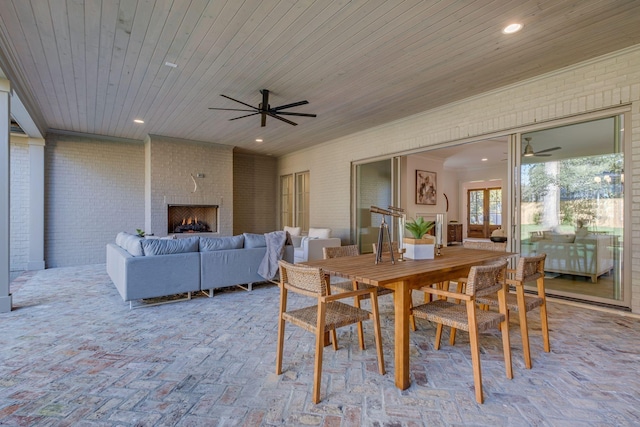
(276, 240)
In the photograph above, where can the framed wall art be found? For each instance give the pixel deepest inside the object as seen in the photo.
(426, 188)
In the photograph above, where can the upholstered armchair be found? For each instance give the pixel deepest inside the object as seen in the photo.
(310, 246)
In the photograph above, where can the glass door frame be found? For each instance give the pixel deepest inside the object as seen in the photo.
(516, 146)
(395, 188)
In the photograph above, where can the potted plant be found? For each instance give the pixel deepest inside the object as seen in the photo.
(420, 246)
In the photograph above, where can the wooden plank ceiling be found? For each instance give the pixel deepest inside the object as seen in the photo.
(92, 66)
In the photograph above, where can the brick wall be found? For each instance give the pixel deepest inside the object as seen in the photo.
(94, 188)
(606, 82)
(255, 187)
(170, 164)
(19, 204)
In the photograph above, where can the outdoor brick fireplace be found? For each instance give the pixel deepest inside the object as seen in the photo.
(192, 219)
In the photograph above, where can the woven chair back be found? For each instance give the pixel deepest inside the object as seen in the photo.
(340, 251)
(486, 279)
(385, 248)
(530, 268)
(489, 246)
(307, 280)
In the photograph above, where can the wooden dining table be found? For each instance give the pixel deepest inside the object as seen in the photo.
(403, 277)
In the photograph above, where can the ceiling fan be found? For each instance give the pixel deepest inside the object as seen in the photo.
(264, 109)
(528, 150)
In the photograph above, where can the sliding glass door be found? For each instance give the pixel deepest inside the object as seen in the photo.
(572, 207)
(375, 184)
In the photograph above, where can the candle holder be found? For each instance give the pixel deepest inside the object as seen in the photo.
(439, 222)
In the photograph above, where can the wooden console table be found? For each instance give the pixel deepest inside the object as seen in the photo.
(454, 234)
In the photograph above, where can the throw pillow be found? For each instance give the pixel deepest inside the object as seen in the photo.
(293, 231)
(319, 233)
(252, 240)
(221, 243)
(167, 247)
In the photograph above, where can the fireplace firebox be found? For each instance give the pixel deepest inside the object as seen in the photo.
(192, 218)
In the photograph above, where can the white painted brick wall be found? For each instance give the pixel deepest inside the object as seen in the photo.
(602, 83)
(94, 189)
(172, 162)
(255, 194)
(19, 204)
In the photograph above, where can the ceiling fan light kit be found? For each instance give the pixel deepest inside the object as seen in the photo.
(264, 109)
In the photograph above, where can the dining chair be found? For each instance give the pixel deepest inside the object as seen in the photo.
(461, 282)
(351, 285)
(482, 280)
(529, 269)
(327, 314)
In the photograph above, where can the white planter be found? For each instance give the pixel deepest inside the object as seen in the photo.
(419, 248)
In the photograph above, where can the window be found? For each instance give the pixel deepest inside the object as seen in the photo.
(294, 200)
(286, 201)
(302, 200)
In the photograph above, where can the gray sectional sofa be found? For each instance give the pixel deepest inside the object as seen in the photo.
(143, 268)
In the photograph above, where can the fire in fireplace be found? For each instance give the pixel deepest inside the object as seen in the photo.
(192, 218)
(192, 225)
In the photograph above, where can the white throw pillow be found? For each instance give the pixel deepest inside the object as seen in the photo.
(293, 231)
(320, 233)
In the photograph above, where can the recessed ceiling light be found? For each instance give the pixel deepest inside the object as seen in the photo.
(512, 28)
(485, 159)
(170, 64)
(258, 140)
(138, 121)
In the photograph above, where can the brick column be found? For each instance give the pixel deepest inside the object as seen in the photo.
(5, 175)
(36, 204)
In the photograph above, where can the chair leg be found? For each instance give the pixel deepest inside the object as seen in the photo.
(412, 318)
(376, 331)
(334, 339)
(504, 328)
(356, 303)
(436, 345)
(317, 373)
(543, 316)
(283, 307)
(524, 328)
(545, 327)
(475, 350)
(452, 334)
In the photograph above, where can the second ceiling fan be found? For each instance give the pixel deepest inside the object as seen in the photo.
(528, 150)
(264, 109)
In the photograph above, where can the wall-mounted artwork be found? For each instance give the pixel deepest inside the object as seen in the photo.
(425, 188)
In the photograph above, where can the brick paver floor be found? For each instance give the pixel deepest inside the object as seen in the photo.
(73, 354)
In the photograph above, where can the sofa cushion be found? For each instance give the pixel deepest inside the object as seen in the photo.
(293, 231)
(167, 247)
(131, 243)
(221, 243)
(319, 233)
(252, 240)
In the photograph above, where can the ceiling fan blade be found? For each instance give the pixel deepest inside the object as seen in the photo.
(541, 155)
(295, 114)
(275, 116)
(242, 117)
(239, 102)
(548, 149)
(295, 104)
(229, 109)
(263, 120)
